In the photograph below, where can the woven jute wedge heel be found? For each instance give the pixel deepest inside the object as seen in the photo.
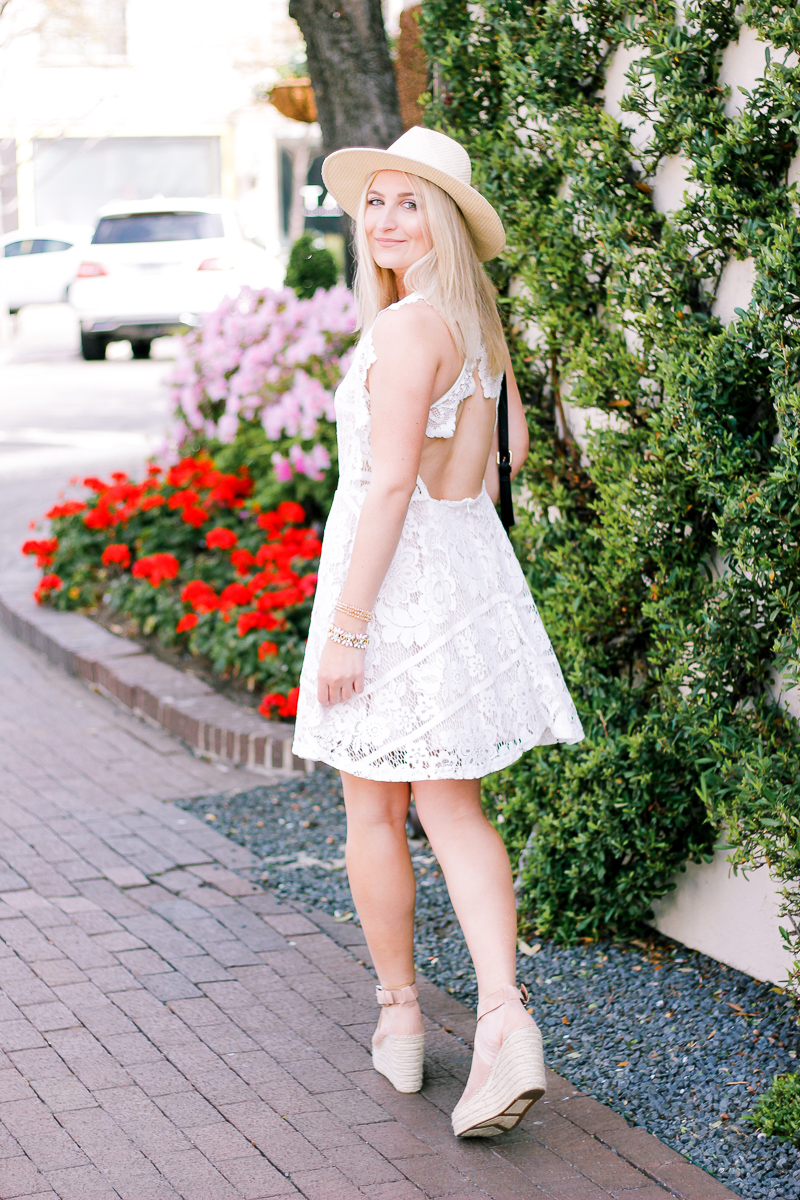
(515, 1080)
(400, 1058)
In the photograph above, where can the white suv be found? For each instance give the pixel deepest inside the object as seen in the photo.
(155, 266)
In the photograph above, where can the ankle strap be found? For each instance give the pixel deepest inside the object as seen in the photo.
(404, 995)
(506, 992)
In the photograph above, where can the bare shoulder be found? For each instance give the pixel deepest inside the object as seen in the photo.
(416, 327)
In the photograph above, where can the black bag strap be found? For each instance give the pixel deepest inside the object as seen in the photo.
(504, 459)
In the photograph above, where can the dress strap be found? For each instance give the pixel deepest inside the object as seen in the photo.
(490, 383)
(411, 298)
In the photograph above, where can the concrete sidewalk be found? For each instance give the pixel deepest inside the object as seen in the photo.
(170, 1029)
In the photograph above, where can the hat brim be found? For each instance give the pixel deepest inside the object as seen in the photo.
(345, 174)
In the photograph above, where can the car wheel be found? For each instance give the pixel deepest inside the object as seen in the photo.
(141, 349)
(93, 346)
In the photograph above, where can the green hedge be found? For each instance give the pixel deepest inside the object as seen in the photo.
(664, 555)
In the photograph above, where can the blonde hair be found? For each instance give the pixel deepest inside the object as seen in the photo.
(449, 276)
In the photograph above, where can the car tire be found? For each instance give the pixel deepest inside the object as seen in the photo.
(141, 348)
(93, 347)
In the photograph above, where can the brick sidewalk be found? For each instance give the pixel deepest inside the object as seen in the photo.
(170, 1030)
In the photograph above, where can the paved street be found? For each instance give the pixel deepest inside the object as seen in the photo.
(168, 1029)
(60, 416)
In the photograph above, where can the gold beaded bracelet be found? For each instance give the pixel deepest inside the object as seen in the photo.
(350, 610)
(356, 641)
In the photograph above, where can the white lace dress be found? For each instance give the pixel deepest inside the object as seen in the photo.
(459, 677)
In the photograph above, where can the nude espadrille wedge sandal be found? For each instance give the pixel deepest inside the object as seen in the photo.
(501, 1094)
(399, 1057)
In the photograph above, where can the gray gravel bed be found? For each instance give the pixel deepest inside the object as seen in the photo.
(677, 1042)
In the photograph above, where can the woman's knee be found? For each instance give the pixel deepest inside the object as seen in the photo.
(370, 803)
(443, 803)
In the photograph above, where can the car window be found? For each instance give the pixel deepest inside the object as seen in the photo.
(49, 245)
(158, 227)
(14, 249)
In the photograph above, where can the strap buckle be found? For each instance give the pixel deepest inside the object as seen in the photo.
(501, 460)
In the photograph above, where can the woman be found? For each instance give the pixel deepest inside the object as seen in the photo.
(427, 664)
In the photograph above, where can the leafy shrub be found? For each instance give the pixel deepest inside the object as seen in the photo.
(663, 545)
(778, 1111)
(254, 385)
(194, 562)
(310, 267)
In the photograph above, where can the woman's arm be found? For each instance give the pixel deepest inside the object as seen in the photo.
(517, 437)
(408, 343)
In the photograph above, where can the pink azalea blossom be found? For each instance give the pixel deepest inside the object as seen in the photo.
(271, 357)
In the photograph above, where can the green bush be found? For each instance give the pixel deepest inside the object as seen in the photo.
(778, 1111)
(663, 547)
(310, 267)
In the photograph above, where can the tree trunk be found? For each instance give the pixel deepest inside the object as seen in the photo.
(351, 71)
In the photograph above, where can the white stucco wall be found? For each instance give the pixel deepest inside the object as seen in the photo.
(733, 918)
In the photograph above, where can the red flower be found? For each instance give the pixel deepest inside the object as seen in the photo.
(156, 567)
(151, 502)
(267, 650)
(119, 476)
(200, 595)
(44, 550)
(187, 622)
(194, 516)
(153, 470)
(182, 472)
(117, 552)
(183, 499)
(98, 518)
(95, 484)
(235, 595)
(242, 560)
(221, 538)
(229, 491)
(48, 583)
(270, 701)
(286, 705)
(66, 510)
(269, 521)
(261, 580)
(254, 620)
(291, 512)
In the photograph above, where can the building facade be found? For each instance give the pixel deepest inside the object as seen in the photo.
(126, 99)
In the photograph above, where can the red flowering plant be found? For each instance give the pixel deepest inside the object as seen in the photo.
(187, 557)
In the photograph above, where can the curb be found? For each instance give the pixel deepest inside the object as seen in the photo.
(176, 701)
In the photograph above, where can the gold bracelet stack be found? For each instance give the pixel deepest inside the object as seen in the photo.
(356, 641)
(350, 610)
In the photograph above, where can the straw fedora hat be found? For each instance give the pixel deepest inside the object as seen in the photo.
(433, 156)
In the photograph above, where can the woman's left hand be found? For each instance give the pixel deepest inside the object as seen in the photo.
(341, 673)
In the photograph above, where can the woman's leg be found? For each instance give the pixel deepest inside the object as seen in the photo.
(382, 882)
(478, 875)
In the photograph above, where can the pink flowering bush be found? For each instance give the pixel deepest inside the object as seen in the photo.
(254, 384)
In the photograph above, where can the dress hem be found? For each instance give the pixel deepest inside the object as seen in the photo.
(407, 774)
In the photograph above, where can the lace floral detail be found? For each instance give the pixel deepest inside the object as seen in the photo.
(490, 383)
(460, 676)
(442, 413)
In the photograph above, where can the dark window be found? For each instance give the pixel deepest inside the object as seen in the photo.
(159, 227)
(14, 249)
(49, 245)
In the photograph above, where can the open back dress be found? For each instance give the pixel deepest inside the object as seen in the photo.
(459, 675)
